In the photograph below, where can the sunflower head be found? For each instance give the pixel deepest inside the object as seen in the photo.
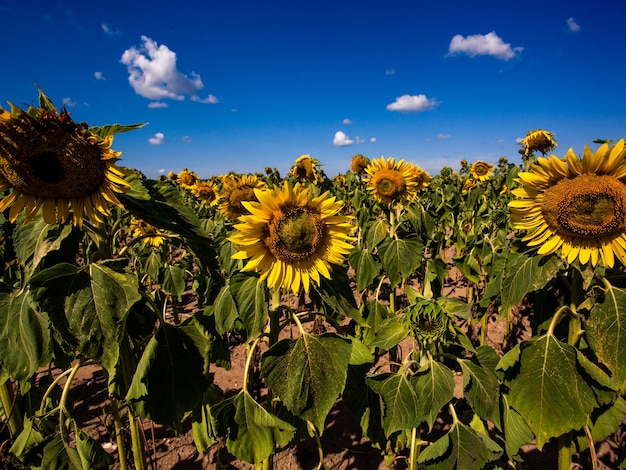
(291, 237)
(391, 181)
(205, 192)
(358, 164)
(481, 171)
(422, 177)
(50, 162)
(575, 205)
(149, 233)
(305, 169)
(187, 179)
(236, 190)
(429, 323)
(538, 141)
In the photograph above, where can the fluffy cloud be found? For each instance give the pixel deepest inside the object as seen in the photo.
(157, 139)
(153, 74)
(483, 44)
(373, 140)
(444, 136)
(347, 121)
(158, 104)
(342, 140)
(412, 104)
(99, 76)
(572, 25)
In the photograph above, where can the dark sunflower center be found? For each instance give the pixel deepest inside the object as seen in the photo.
(47, 167)
(238, 195)
(295, 235)
(587, 206)
(390, 185)
(481, 170)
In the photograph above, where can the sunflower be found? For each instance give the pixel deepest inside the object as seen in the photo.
(422, 177)
(237, 190)
(391, 181)
(575, 205)
(205, 192)
(359, 164)
(49, 162)
(150, 234)
(187, 179)
(305, 168)
(291, 237)
(481, 171)
(538, 140)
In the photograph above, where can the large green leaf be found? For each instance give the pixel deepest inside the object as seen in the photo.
(308, 374)
(606, 331)
(480, 386)
(174, 281)
(252, 433)
(516, 431)
(169, 380)
(365, 266)
(549, 391)
(400, 258)
(461, 448)
(434, 387)
(401, 401)
(376, 233)
(252, 303)
(25, 342)
(390, 332)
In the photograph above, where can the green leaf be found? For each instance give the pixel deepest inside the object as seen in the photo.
(335, 296)
(25, 342)
(169, 380)
(400, 258)
(523, 275)
(455, 307)
(252, 433)
(480, 386)
(203, 425)
(252, 303)
(225, 310)
(516, 431)
(307, 374)
(434, 388)
(376, 313)
(376, 233)
(92, 455)
(461, 448)
(175, 281)
(401, 401)
(390, 333)
(549, 391)
(606, 331)
(365, 266)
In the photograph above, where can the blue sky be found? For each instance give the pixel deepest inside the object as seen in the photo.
(245, 84)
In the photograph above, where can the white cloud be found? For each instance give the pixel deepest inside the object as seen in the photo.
(444, 136)
(347, 121)
(572, 25)
(390, 72)
(186, 139)
(358, 140)
(483, 44)
(68, 103)
(373, 140)
(153, 74)
(157, 104)
(111, 32)
(157, 139)
(211, 99)
(99, 76)
(342, 140)
(412, 103)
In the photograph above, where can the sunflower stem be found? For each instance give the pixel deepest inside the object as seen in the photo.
(119, 436)
(564, 452)
(11, 409)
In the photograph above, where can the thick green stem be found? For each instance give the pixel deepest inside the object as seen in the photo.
(564, 444)
(483, 328)
(119, 437)
(414, 450)
(139, 451)
(11, 410)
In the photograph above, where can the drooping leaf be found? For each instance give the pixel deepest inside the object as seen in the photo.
(480, 386)
(516, 431)
(401, 401)
(549, 391)
(335, 296)
(25, 342)
(606, 331)
(307, 374)
(225, 310)
(252, 304)
(252, 432)
(174, 281)
(376, 233)
(90, 452)
(400, 258)
(203, 425)
(434, 388)
(365, 266)
(390, 333)
(169, 380)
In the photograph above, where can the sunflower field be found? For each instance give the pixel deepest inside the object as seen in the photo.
(378, 287)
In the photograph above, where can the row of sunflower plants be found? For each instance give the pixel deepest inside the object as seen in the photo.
(98, 261)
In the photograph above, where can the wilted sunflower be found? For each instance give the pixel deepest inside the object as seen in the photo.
(359, 164)
(481, 171)
(305, 168)
(291, 238)
(235, 191)
(538, 141)
(49, 162)
(150, 234)
(577, 205)
(205, 192)
(391, 181)
(187, 179)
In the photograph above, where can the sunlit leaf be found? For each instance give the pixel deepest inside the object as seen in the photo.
(401, 401)
(251, 299)
(390, 332)
(365, 266)
(400, 258)
(480, 386)
(307, 374)
(434, 388)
